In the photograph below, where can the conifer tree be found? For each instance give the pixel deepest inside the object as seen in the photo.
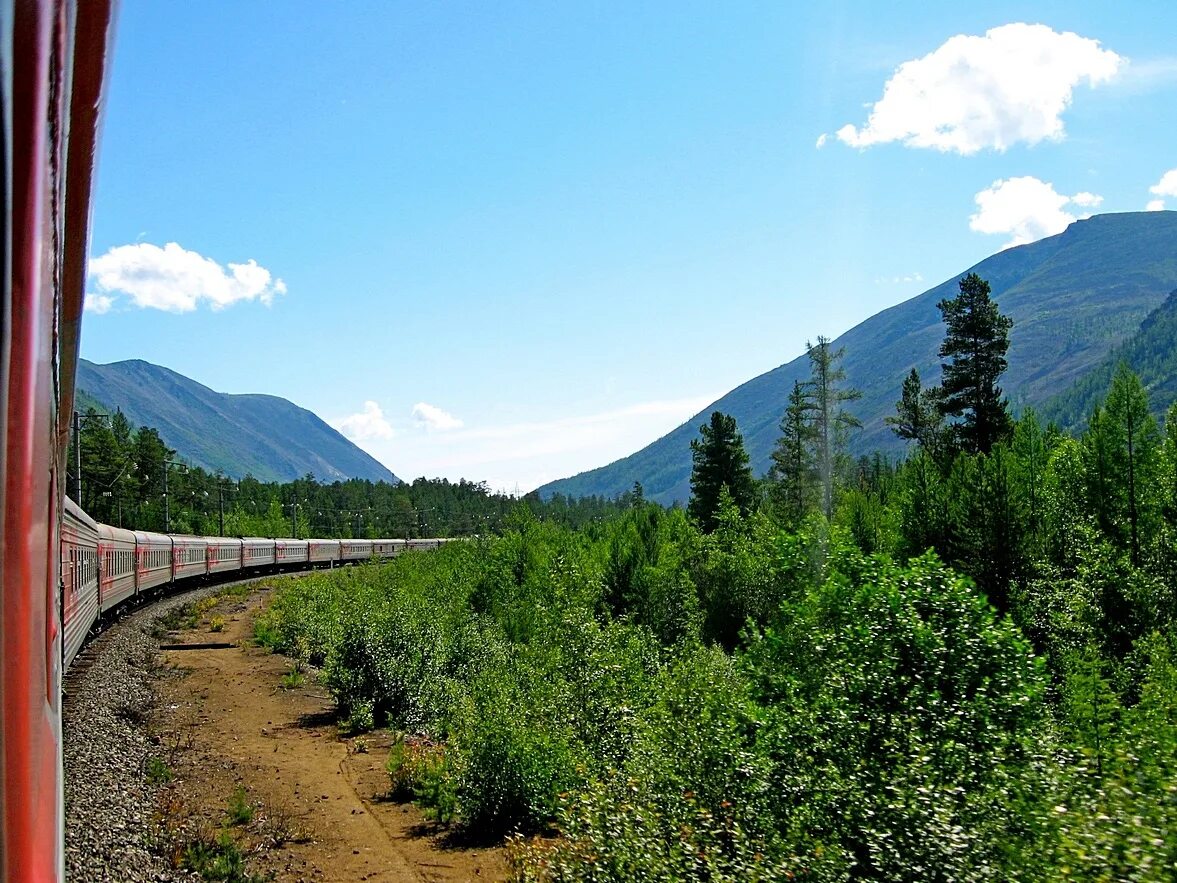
(831, 423)
(917, 414)
(719, 460)
(975, 345)
(1031, 450)
(1097, 470)
(1169, 469)
(1135, 445)
(923, 506)
(794, 474)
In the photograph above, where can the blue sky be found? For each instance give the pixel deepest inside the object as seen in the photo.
(512, 241)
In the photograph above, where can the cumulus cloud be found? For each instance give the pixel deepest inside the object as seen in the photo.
(176, 280)
(97, 303)
(1010, 85)
(1027, 209)
(1155, 205)
(1167, 186)
(368, 424)
(821, 140)
(434, 418)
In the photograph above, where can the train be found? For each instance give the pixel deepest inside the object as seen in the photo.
(106, 569)
(60, 571)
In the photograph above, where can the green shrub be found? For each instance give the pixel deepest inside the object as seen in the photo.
(424, 771)
(240, 809)
(158, 772)
(216, 859)
(906, 725)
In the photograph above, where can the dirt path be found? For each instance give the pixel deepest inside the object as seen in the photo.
(226, 720)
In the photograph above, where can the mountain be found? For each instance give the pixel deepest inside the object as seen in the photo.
(1151, 352)
(266, 436)
(1073, 297)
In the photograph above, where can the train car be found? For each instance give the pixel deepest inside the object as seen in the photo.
(355, 550)
(116, 566)
(224, 554)
(323, 551)
(189, 557)
(387, 548)
(256, 552)
(422, 544)
(291, 551)
(79, 576)
(153, 560)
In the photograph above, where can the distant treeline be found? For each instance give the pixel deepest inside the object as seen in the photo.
(130, 478)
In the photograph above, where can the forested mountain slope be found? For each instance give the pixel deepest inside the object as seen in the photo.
(1073, 297)
(1151, 353)
(266, 436)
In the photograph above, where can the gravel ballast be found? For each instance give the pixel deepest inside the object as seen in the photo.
(109, 804)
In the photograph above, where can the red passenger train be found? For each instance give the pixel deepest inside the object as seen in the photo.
(60, 571)
(103, 567)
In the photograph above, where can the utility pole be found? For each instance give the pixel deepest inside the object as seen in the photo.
(167, 509)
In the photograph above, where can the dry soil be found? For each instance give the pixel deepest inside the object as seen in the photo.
(224, 721)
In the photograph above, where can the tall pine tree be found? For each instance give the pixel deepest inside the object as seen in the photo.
(917, 414)
(719, 460)
(1135, 448)
(793, 475)
(975, 344)
(831, 423)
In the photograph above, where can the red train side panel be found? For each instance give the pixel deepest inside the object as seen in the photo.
(116, 566)
(153, 560)
(189, 556)
(224, 554)
(53, 55)
(79, 577)
(323, 550)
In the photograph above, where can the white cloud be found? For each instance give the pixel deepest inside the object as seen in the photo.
(1027, 209)
(434, 419)
(899, 280)
(97, 303)
(1010, 85)
(1155, 205)
(368, 424)
(1167, 186)
(821, 140)
(176, 280)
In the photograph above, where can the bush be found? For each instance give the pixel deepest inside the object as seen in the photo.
(424, 770)
(906, 725)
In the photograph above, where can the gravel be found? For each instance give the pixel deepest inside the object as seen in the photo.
(109, 804)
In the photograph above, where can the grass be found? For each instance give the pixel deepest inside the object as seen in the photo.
(240, 809)
(293, 679)
(216, 858)
(158, 772)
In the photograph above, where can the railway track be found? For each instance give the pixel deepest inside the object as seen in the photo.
(109, 803)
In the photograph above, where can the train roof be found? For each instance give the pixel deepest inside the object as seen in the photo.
(108, 532)
(73, 510)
